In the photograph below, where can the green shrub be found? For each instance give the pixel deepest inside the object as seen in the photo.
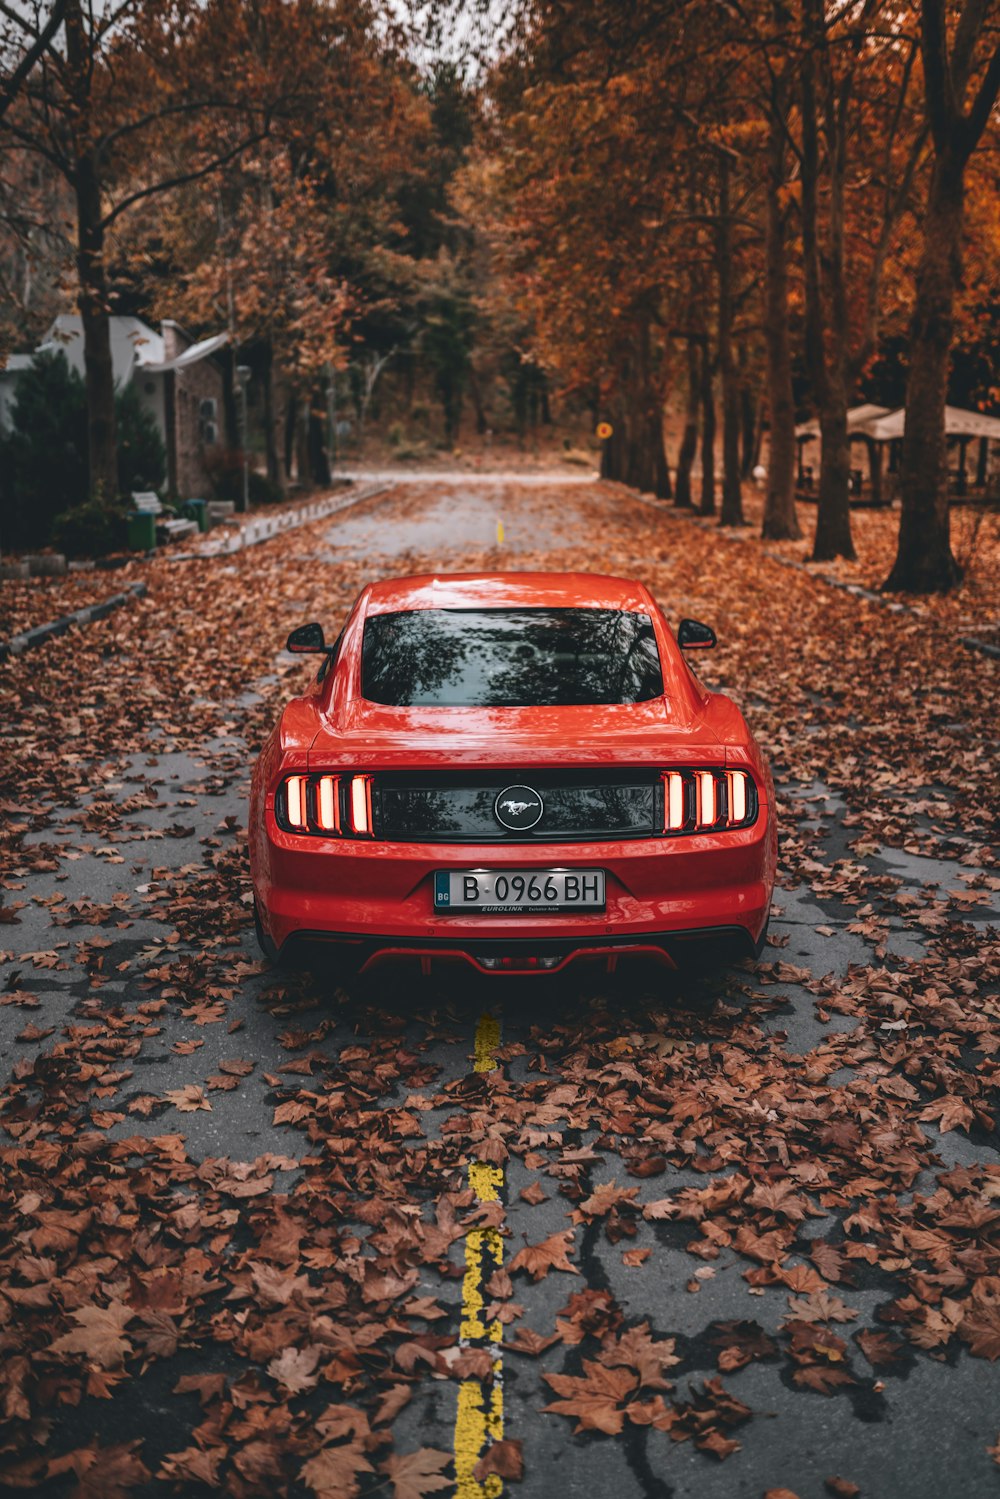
(263, 491)
(142, 458)
(225, 472)
(90, 530)
(43, 460)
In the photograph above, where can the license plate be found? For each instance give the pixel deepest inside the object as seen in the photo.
(498, 892)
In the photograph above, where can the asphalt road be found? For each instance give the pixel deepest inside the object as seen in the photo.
(555, 1091)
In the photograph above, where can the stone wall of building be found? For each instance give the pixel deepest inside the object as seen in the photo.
(192, 418)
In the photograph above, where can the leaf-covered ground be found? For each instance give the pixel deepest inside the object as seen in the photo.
(264, 1236)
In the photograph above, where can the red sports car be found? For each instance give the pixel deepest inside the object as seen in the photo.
(515, 770)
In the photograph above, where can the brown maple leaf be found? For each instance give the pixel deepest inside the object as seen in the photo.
(822, 1379)
(295, 1369)
(820, 1307)
(633, 1258)
(551, 1254)
(950, 1113)
(334, 1472)
(292, 1112)
(526, 1340)
(102, 1472)
(504, 1458)
(194, 1465)
(714, 1442)
(878, 1347)
(594, 1397)
(637, 1349)
(98, 1335)
(418, 1473)
(980, 1328)
(188, 1099)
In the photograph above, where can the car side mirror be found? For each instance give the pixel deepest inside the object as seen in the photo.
(307, 640)
(692, 635)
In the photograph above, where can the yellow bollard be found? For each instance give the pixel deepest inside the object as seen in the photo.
(499, 533)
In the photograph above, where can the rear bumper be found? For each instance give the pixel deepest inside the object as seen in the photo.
(535, 955)
(375, 899)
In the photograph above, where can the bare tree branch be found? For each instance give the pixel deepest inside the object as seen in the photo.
(167, 183)
(41, 40)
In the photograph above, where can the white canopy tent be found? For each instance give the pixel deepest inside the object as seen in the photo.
(877, 426)
(857, 417)
(888, 426)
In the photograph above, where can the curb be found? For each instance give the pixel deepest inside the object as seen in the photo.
(265, 527)
(254, 532)
(894, 606)
(971, 644)
(18, 644)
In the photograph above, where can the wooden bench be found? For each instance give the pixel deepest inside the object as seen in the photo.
(222, 512)
(170, 528)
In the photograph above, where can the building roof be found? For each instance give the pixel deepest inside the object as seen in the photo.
(857, 418)
(15, 363)
(192, 355)
(957, 423)
(134, 346)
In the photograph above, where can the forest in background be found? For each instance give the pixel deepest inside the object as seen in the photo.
(735, 213)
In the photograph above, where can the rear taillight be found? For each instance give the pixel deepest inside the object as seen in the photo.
(325, 806)
(696, 801)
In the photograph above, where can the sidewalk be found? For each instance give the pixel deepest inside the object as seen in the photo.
(224, 541)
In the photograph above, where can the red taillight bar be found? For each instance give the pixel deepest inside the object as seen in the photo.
(695, 801)
(326, 806)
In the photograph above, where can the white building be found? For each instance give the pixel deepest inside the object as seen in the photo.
(179, 381)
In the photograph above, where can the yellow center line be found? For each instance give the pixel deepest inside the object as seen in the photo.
(479, 1416)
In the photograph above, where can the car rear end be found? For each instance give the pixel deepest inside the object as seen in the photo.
(514, 836)
(416, 869)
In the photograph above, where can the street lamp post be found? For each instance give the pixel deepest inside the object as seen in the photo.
(243, 379)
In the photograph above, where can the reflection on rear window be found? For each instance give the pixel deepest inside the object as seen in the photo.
(509, 658)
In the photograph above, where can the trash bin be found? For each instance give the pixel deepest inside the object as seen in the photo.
(196, 510)
(141, 531)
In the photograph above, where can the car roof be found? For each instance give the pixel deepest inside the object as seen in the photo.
(511, 590)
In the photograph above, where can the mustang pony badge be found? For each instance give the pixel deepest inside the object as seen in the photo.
(518, 808)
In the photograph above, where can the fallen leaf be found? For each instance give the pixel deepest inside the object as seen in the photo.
(551, 1254)
(418, 1473)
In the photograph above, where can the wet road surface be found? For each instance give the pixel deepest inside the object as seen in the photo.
(685, 1213)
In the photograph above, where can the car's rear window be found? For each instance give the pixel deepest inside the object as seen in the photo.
(509, 658)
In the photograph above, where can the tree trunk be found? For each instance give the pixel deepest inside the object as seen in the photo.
(291, 412)
(827, 332)
(95, 313)
(689, 442)
(780, 520)
(303, 457)
(833, 507)
(661, 475)
(481, 423)
(95, 319)
(649, 472)
(875, 470)
(924, 560)
(275, 468)
(707, 505)
(732, 488)
(750, 428)
(230, 409)
(319, 458)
